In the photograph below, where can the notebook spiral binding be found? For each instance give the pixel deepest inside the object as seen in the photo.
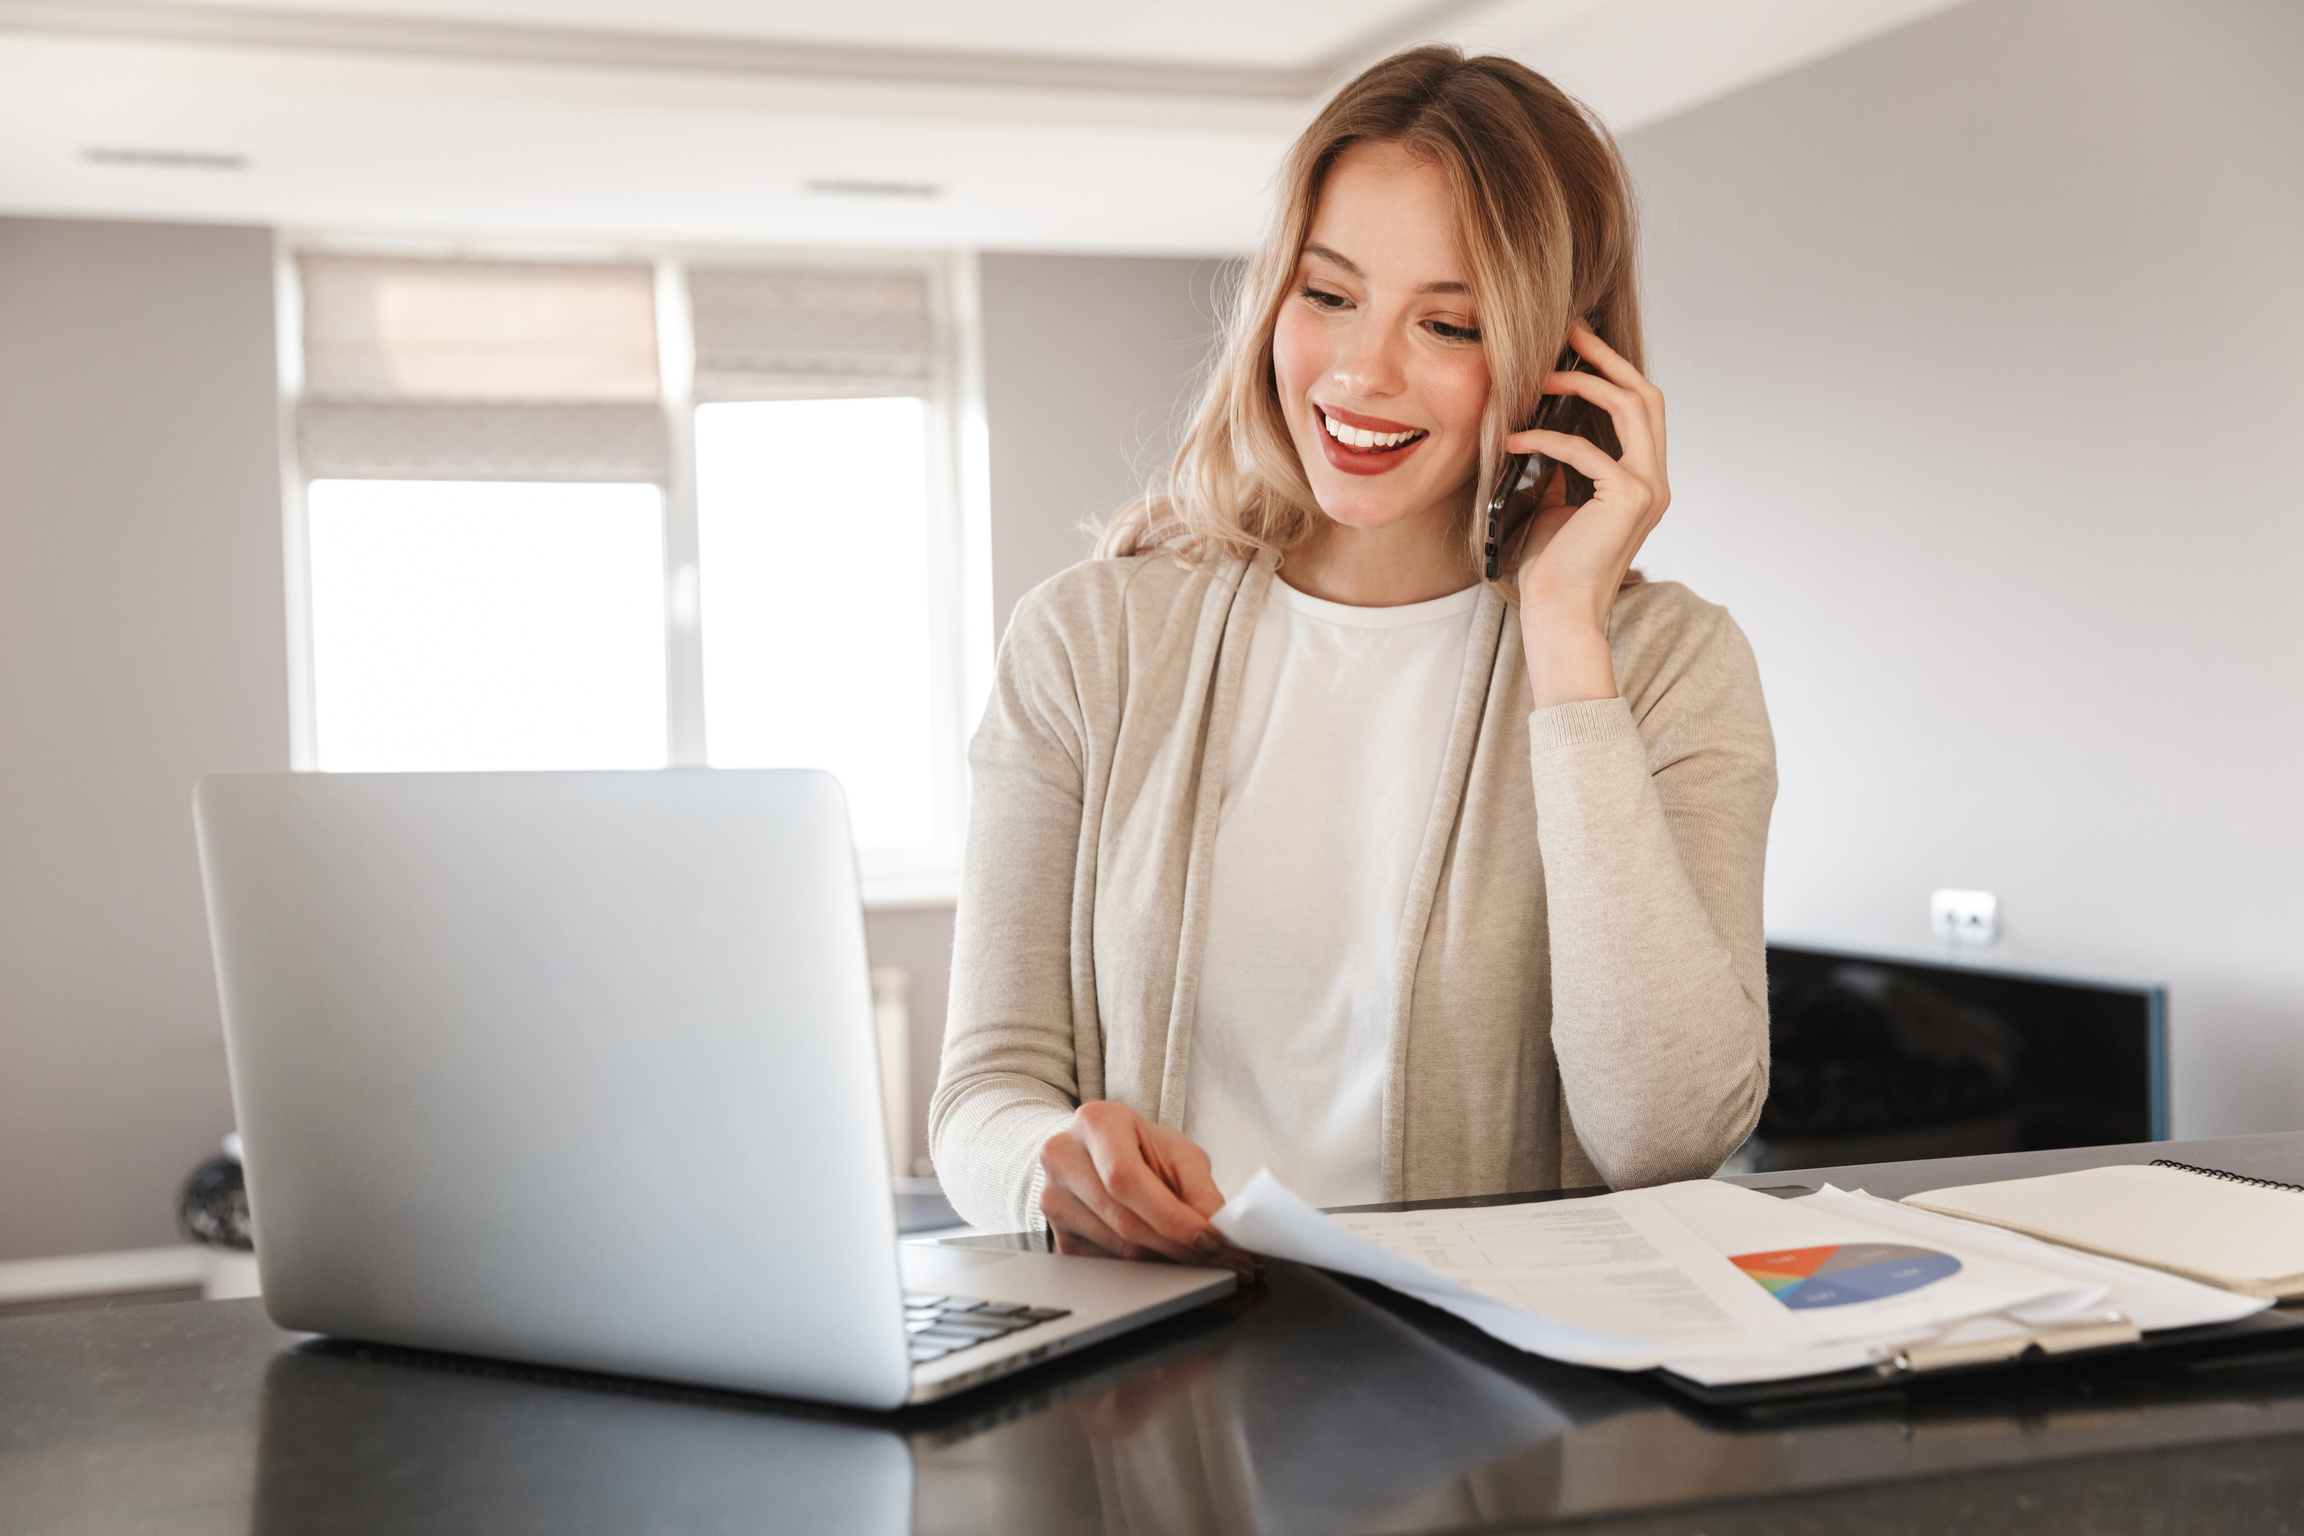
(2224, 1174)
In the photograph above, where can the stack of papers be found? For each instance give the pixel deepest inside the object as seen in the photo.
(1723, 1284)
(2242, 1234)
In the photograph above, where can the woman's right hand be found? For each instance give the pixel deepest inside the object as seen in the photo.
(1118, 1186)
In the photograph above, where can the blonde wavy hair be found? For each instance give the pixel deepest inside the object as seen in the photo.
(1545, 217)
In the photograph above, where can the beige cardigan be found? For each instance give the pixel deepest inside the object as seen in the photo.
(1579, 990)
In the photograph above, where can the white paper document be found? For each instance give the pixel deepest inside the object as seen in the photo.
(2152, 1299)
(1717, 1282)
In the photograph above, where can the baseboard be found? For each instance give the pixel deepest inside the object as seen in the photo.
(103, 1274)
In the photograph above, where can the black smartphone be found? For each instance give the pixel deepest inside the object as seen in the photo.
(1554, 413)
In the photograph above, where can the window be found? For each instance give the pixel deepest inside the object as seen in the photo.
(626, 514)
(478, 625)
(788, 491)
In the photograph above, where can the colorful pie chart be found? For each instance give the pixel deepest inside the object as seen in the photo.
(1842, 1274)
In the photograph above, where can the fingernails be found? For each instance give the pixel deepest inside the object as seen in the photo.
(1208, 1242)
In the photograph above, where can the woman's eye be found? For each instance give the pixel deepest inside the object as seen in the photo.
(1320, 298)
(1448, 332)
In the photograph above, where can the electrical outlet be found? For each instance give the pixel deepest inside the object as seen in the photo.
(1965, 917)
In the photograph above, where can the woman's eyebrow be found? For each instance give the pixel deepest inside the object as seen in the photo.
(1346, 262)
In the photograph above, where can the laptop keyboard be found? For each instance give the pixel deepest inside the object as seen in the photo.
(941, 1324)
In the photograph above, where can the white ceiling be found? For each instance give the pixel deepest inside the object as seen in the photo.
(1151, 126)
(1258, 33)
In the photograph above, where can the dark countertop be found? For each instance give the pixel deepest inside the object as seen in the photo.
(1311, 1405)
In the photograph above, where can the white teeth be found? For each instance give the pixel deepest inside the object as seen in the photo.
(1357, 437)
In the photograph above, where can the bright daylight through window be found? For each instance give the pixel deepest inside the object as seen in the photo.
(481, 625)
(625, 515)
(814, 518)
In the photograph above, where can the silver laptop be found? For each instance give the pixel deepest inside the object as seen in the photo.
(579, 1069)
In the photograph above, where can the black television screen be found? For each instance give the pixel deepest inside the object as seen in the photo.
(1880, 1060)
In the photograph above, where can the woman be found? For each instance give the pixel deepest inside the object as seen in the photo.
(1294, 842)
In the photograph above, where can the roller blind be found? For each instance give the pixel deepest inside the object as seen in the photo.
(765, 334)
(419, 369)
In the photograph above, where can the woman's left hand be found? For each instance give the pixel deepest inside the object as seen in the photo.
(1576, 557)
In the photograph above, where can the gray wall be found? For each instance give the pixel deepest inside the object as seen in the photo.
(1089, 362)
(1981, 347)
(142, 643)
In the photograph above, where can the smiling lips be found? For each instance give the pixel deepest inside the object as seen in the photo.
(1365, 445)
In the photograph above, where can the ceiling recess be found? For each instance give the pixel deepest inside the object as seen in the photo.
(164, 159)
(456, 38)
(837, 187)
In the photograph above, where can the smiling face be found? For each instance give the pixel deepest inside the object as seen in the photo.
(1376, 352)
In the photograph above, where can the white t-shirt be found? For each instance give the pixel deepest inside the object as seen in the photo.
(1344, 716)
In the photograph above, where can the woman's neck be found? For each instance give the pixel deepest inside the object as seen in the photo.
(1410, 561)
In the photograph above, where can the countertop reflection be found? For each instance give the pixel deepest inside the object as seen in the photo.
(1309, 1405)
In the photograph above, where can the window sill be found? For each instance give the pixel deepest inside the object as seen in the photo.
(910, 893)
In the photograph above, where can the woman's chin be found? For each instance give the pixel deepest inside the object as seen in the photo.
(1365, 519)
(1355, 507)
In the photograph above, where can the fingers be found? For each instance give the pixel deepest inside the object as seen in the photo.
(1077, 1197)
(1079, 1230)
(1119, 1186)
(1577, 557)
(1142, 1205)
(1612, 364)
(1633, 485)
(1617, 370)
(1184, 1167)
(1553, 493)
(1639, 428)
(1079, 1247)
(1614, 369)
(1589, 458)
(1111, 1165)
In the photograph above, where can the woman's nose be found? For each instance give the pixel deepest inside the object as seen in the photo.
(1368, 366)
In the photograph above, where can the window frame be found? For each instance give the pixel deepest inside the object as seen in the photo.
(959, 525)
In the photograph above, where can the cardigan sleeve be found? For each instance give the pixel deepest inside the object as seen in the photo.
(1652, 817)
(1010, 1074)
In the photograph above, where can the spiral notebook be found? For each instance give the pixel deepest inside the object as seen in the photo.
(2224, 1229)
